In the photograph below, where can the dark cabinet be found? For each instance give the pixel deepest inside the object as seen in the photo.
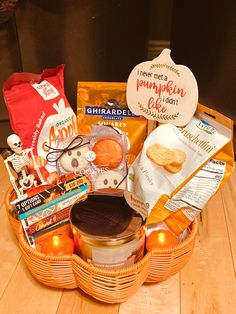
(204, 38)
(96, 40)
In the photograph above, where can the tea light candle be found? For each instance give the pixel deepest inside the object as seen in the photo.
(161, 239)
(57, 245)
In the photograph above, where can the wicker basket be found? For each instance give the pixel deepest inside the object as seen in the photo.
(111, 286)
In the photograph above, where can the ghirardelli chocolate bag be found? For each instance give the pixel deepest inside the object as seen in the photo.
(38, 109)
(104, 103)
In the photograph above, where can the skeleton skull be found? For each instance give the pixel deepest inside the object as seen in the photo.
(15, 143)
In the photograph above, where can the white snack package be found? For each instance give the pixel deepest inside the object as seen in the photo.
(171, 155)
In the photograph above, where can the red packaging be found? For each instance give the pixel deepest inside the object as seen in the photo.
(38, 109)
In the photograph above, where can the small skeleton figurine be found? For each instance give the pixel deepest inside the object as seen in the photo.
(19, 160)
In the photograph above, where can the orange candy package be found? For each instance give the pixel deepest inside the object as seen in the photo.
(104, 103)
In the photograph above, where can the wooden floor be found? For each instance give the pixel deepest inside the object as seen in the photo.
(206, 285)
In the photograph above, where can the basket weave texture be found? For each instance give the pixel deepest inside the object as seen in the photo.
(110, 286)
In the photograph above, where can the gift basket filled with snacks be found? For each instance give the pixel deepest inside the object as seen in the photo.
(108, 199)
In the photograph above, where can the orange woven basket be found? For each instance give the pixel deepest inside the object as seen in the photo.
(110, 286)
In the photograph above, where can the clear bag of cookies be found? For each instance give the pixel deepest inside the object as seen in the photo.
(101, 157)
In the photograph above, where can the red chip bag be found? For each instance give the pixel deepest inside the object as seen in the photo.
(38, 109)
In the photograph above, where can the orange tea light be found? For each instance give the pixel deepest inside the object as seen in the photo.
(161, 238)
(57, 245)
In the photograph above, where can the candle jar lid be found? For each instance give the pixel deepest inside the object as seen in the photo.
(109, 219)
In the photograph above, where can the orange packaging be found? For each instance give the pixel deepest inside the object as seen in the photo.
(104, 103)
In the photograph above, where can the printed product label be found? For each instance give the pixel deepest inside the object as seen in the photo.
(46, 90)
(109, 113)
(136, 203)
(57, 126)
(197, 192)
(121, 256)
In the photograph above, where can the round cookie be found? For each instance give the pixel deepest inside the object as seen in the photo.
(110, 180)
(160, 154)
(109, 153)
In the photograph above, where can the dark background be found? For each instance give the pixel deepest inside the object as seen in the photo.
(103, 41)
(96, 40)
(204, 38)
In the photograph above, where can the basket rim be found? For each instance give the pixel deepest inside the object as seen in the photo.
(7, 198)
(90, 267)
(76, 258)
(99, 270)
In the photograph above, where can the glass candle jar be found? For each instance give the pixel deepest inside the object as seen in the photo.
(109, 231)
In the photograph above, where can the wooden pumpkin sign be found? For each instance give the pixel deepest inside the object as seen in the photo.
(163, 91)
